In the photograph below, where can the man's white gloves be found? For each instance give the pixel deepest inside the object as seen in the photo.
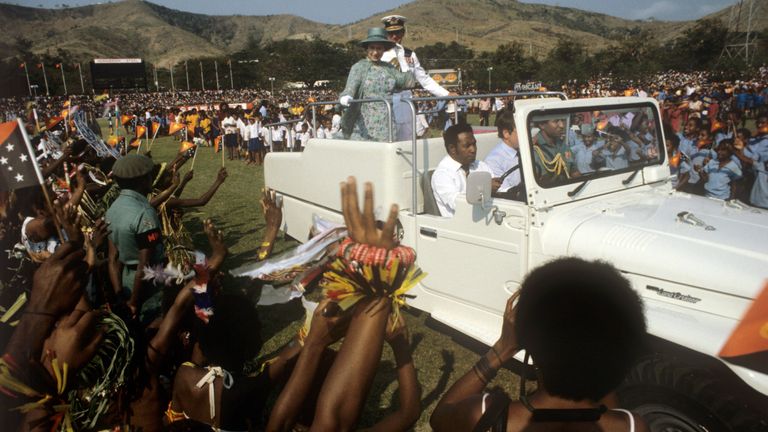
(344, 100)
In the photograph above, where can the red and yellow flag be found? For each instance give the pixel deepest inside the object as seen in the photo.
(217, 144)
(748, 344)
(155, 127)
(66, 104)
(716, 126)
(125, 118)
(175, 127)
(64, 113)
(186, 145)
(141, 130)
(112, 140)
(135, 143)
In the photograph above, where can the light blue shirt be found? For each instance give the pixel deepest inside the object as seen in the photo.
(501, 159)
(719, 183)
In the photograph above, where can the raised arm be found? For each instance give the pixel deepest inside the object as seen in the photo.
(327, 327)
(203, 200)
(459, 408)
(163, 196)
(408, 385)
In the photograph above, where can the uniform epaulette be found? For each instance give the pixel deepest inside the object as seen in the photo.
(408, 52)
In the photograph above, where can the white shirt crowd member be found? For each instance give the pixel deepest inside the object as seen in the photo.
(230, 125)
(449, 180)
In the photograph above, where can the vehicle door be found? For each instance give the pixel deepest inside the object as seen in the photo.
(477, 257)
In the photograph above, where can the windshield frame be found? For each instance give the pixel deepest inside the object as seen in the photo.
(567, 113)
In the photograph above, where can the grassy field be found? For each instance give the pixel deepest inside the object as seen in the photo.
(441, 356)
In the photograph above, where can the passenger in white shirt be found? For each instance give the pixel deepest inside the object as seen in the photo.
(450, 177)
(504, 160)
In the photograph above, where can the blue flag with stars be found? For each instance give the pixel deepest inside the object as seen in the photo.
(17, 169)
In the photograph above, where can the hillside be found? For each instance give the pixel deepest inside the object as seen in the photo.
(484, 24)
(135, 28)
(165, 36)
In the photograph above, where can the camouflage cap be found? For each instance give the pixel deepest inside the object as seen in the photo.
(132, 166)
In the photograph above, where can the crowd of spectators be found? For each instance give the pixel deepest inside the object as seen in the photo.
(111, 319)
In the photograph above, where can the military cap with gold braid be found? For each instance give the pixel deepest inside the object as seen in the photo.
(394, 22)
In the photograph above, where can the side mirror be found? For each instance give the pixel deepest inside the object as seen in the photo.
(479, 188)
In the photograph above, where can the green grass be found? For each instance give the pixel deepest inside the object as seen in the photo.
(441, 355)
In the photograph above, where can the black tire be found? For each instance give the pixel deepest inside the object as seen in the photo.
(674, 397)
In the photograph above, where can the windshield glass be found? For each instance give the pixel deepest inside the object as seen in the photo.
(569, 146)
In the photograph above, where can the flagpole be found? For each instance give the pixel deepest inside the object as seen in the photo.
(194, 156)
(186, 70)
(63, 78)
(26, 73)
(202, 79)
(154, 134)
(39, 176)
(231, 79)
(80, 70)
(216, 68)
(45, 78)
(37, 120)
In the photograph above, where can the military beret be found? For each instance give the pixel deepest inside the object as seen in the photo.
(132, 166)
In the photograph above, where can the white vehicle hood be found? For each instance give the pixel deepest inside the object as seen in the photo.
(639, 232)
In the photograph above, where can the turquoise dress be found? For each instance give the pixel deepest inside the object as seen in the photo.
(367, 79)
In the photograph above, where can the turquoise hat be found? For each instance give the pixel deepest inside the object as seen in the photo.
(377, 35)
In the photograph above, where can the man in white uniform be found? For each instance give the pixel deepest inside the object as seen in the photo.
(450, 177)
(406, 60)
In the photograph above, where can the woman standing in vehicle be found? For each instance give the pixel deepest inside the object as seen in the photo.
(371, 78)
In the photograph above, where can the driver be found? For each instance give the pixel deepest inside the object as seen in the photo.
(450, 177)
(504, 160)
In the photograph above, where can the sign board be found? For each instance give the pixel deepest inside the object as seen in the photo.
(446, 77)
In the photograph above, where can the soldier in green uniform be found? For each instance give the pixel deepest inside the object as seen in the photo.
(135, 240)
(553, 159)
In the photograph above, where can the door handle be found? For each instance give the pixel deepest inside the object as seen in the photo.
(428, 232)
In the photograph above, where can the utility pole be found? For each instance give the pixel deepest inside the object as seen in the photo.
(186, 70)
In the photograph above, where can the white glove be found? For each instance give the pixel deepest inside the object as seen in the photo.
(344, 100)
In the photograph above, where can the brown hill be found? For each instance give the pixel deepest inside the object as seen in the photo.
(165, 36)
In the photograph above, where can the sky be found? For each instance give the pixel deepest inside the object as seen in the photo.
(346, 11)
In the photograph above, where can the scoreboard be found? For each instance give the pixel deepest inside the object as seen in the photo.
(128, 73)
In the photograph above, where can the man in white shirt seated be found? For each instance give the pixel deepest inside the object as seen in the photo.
(504, 160)
(450, 177)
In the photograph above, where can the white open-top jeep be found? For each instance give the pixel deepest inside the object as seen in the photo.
(697, 262)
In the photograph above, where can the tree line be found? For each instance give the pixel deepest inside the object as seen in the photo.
(636, 55)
